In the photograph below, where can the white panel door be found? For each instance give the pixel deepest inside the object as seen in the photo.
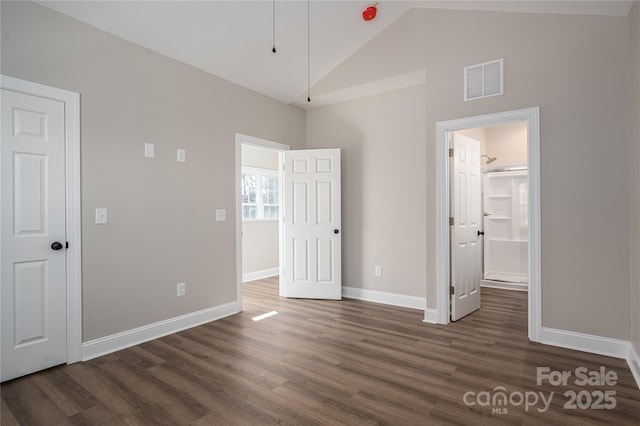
(312, 218)
(32, 167)
(466, 190)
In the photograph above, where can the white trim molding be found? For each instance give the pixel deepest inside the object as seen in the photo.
(258, 275)
(585, 342)
(505, 285)
(71, 101)
(115, 342)
(633, 359)
(261, 143)
(395, 299)
(532, 117)
(430, 316)
(606, 346)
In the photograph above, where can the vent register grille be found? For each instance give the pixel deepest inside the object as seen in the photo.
(483, 80)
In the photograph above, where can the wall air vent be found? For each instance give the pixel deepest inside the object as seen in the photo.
(483, 80)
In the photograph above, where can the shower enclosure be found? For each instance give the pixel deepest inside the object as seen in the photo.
(506, 228)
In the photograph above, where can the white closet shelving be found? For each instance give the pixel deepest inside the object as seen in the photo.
(506, 226)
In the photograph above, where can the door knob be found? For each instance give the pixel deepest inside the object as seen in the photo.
(56, 245)
(335, 231)
(480, 233)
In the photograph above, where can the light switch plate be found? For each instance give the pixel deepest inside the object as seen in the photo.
(221, 215)
(149, 150)
(181, 155)
(101, 216)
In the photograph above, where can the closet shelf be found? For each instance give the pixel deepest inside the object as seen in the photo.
(502, 240)
(497, 218)
(499, 196)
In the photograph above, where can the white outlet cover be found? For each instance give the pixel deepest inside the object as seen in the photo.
(101, 216)
(181, 289)
(221, 215)
(149, 150)
(181, 155)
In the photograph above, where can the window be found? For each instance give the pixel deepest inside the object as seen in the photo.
(260, 194)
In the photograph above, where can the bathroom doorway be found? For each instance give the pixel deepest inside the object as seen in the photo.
(449, 290)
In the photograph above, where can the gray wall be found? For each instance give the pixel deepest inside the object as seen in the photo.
(162, 227)
(576, 68)
(634, 175)
(383, 197)
(507, 143)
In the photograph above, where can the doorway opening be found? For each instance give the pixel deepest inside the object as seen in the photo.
(444, 182)
(258, 210)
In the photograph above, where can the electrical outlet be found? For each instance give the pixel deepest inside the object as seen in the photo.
(181, 289)
(101, 216)
(149, 150)
(378, 271)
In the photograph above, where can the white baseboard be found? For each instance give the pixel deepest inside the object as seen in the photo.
(585, 342)
(394, 299)
(115, 342)
(594, 344)
(634, 364)
(258, 275)
(505, 285)
(430, 316)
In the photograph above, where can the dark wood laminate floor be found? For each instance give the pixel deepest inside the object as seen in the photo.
(325, 362)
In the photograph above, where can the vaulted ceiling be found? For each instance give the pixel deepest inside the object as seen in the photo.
(234, 39)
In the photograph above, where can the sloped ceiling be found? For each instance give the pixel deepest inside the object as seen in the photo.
(233, 39)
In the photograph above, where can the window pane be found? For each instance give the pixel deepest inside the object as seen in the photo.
(248, 188)
(270, 189)
(248, 212)
(271, 212)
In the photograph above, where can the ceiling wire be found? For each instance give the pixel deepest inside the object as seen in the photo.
(308, 56)
(273, 8)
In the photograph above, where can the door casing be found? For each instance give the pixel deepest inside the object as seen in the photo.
(261, 143)
(532, 117)
(71, 102)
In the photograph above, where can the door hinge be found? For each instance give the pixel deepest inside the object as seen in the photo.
(452, 290)
(450, 221)
(450, 152)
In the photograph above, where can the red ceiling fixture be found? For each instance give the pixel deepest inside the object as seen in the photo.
(369, 14)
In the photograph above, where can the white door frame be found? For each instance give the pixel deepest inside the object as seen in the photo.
(532, 117)
(275, 146)
(73, 215)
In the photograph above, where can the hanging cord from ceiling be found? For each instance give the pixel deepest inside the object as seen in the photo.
(273, 8)
(308, 55)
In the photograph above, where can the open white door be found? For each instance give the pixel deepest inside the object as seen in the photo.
(34, 310)
(312, 224)
(466, 270)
